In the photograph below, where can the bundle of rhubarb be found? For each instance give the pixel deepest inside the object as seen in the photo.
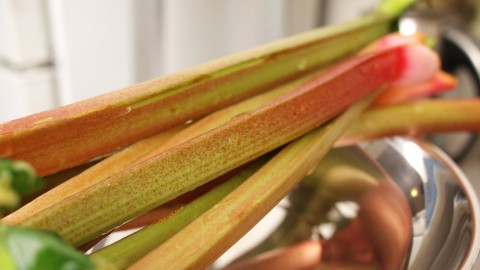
(212, 149)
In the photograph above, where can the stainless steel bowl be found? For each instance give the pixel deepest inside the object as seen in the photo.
(443, 213)
(445, 216)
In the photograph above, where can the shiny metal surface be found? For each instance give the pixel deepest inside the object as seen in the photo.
(445, 215)
(432, 224)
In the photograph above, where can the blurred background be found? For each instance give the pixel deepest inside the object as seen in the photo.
(55, 52)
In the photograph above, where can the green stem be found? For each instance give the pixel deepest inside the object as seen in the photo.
(394, 7)
(416, 118)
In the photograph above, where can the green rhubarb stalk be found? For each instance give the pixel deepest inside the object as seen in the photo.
(415, 118)
(82, 217)
(125, 252)
(205, 239)
(67, 136)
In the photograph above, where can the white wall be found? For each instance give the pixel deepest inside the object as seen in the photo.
(26, 79)
(93, 45)
(23, 33)
(89, 47)
(23, 92)
(342, 10)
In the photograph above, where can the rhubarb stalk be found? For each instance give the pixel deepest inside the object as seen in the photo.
(240, 210)
(98, 172)
(415, 118)
(140, 188)
(145, 149)
(125, 252)
(67, 136)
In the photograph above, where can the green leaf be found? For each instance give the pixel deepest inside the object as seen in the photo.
(17, 179)
(20, 175)
(27, 249)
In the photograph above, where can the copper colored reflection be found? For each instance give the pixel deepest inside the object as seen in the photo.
(381, 233)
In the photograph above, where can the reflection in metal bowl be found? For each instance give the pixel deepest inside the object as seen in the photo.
(446, 211)
(349, 205)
